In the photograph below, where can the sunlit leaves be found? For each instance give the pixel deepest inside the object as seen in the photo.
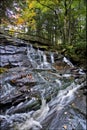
(28, 14)
(32, 5)
(51, 18)
(20, 21)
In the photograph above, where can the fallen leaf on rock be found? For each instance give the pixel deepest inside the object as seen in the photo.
(65, 127)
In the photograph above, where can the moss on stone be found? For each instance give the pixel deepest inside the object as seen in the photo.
(2, 70)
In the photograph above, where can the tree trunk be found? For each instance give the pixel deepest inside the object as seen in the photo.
(69, 27)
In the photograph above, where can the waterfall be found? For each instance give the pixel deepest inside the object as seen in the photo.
(31, 49)
(28, 54)
(37, 93)
(44, 63)
(68, 62)
(52, 58)
(44, 59)
(40, 114)
(65, 96)
(40, 53)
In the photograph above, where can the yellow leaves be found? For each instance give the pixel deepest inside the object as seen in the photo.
(28, 14)
(20, 21)
(31, 5)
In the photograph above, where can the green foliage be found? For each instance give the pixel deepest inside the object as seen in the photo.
(53, 20)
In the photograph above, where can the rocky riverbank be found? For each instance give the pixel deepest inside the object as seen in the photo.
(39, 89)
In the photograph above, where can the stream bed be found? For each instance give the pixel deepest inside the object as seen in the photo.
(39, 90)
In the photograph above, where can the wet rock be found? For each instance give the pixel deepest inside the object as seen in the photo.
(23, 106)
(80, 103)
(72, 117)
(31, 76)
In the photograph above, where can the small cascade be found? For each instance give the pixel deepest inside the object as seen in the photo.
(40, 53)
(41, 114)
(32, 50)
(45, 64)
(52, 58)
(29, 124)
(59, 82)
(7, 89)
(68, 62)
(44, 59)
(38, 58)
(64, 97)
(28, 54)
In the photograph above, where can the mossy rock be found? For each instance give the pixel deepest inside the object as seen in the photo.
(2, 70)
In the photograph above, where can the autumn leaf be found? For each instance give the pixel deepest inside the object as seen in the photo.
(65, 127)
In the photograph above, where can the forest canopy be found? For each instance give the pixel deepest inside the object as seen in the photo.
(62, 22)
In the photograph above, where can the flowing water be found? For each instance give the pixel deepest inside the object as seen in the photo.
(34, 94)
(52, 58)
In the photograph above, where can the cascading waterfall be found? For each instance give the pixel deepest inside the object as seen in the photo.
(31, 47)
(43, 78)
(40, 53)
(43, 63)
(44, 59)
(34, 119)
(52, 58)
(64, 97)
(59, 82)
(30, 54)
(68, 62)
